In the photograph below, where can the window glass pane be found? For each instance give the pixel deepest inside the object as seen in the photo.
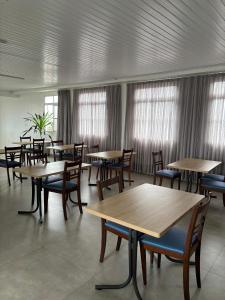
(55, 99)
(49, 99)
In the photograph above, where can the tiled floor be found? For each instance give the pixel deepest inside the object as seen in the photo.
(59, 261)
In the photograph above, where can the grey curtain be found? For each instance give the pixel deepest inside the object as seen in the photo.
(199, 128)
(96, 117)
(64, 116)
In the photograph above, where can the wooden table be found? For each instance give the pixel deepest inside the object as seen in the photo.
(38, 172)
(26, 143)
(194, 165)
(62, 148)
(105, 156)
(147, 208)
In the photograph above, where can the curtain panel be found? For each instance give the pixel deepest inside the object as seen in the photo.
(183, 118)
(96, 117)
(64, 116)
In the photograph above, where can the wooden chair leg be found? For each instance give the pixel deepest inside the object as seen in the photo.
(46, 193)
(224, 200)
(103, 243)
(160, 181)
(118, 243)
(89, 175)
(151, 257)
(8, 176)
(122, 177)
(13, 171)
(179, 181)
(97, 174)
(79, 201)
(154, 180)
(129, 177)
(143, 264)
(186, 280)
(64, 197)
(33, 192)
(159, 260)
(197, 266)
(171, 183)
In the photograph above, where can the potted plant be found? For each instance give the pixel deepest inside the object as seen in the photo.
(39, 123)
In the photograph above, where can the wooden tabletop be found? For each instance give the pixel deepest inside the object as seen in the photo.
(64, 147)
(24, 143)
(43, 170)
(147, 208)
(107, 155)
(195, 165)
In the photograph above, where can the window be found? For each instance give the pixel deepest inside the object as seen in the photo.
(92, 114)
(51, 106)
(155, 111)
(215, 133)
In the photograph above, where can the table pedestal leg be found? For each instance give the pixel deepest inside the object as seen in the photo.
(132, 250)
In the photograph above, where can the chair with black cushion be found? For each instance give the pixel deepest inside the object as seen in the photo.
(25, 148)
(41, 158)
(56, 154)
(94, 162)
(179, 244)
(123, 165)
(209, 185)
(37, 147)
(161, 172)
(13, 160)
(69, 184)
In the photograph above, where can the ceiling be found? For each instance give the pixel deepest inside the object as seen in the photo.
(54, 43)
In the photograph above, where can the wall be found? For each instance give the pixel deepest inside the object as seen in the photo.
(12, 112)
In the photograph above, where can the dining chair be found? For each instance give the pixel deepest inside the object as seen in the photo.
(78, 150)
(55, 152)
(41, 158)
(179, 245)
(94, 162)
(119, 230)
(161, 172)
(209, 185)
(69, 184)
(13, 160)
(37, 146)
(124, 164)
(25, 148)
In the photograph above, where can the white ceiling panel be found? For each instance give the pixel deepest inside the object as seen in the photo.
(63, 42)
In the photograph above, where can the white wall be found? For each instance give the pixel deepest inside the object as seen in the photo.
(12, 112)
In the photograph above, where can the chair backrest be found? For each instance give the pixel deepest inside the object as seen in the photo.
(38, 156)
(78, 151)
(72, 171)
(194, 234)
(13, 154)
(25, 139)
(157, 158)
(56, 143)
(93, 148)
(38, 144)
(107, 183)
(127, 157)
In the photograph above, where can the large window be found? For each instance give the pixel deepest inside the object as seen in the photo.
(155, 110)
(216, 115)
(51, 106)
(92, 114)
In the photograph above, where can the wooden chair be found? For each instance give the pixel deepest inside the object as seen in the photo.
(37, 147)
(13, 159)
(93, 162)
(78, 151)
(208, 184)
(119, 230)
(69, 184)
(159, 171)
(25, 148)
(39, 156)
(55, 152)
(124, 164)
(179, 245)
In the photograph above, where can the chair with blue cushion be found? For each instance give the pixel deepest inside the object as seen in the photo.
(123, 165)
(214, 177)
(159, 171)
(209, 185)
(119, 230)
(40, 157)
(69, 184)
(179, 245)
(94, 162)
(13, 160)
(56, 154)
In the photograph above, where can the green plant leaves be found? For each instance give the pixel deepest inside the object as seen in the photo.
(39, 123)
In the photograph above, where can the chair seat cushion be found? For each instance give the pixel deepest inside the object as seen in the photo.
(119, 228)
(117, 165)
(168, 173)
(49, 179)
(11, 164)
(96, 163)
(58, 185)
(173, 240)
(67, 154)
(213, 177)
(213, 184)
